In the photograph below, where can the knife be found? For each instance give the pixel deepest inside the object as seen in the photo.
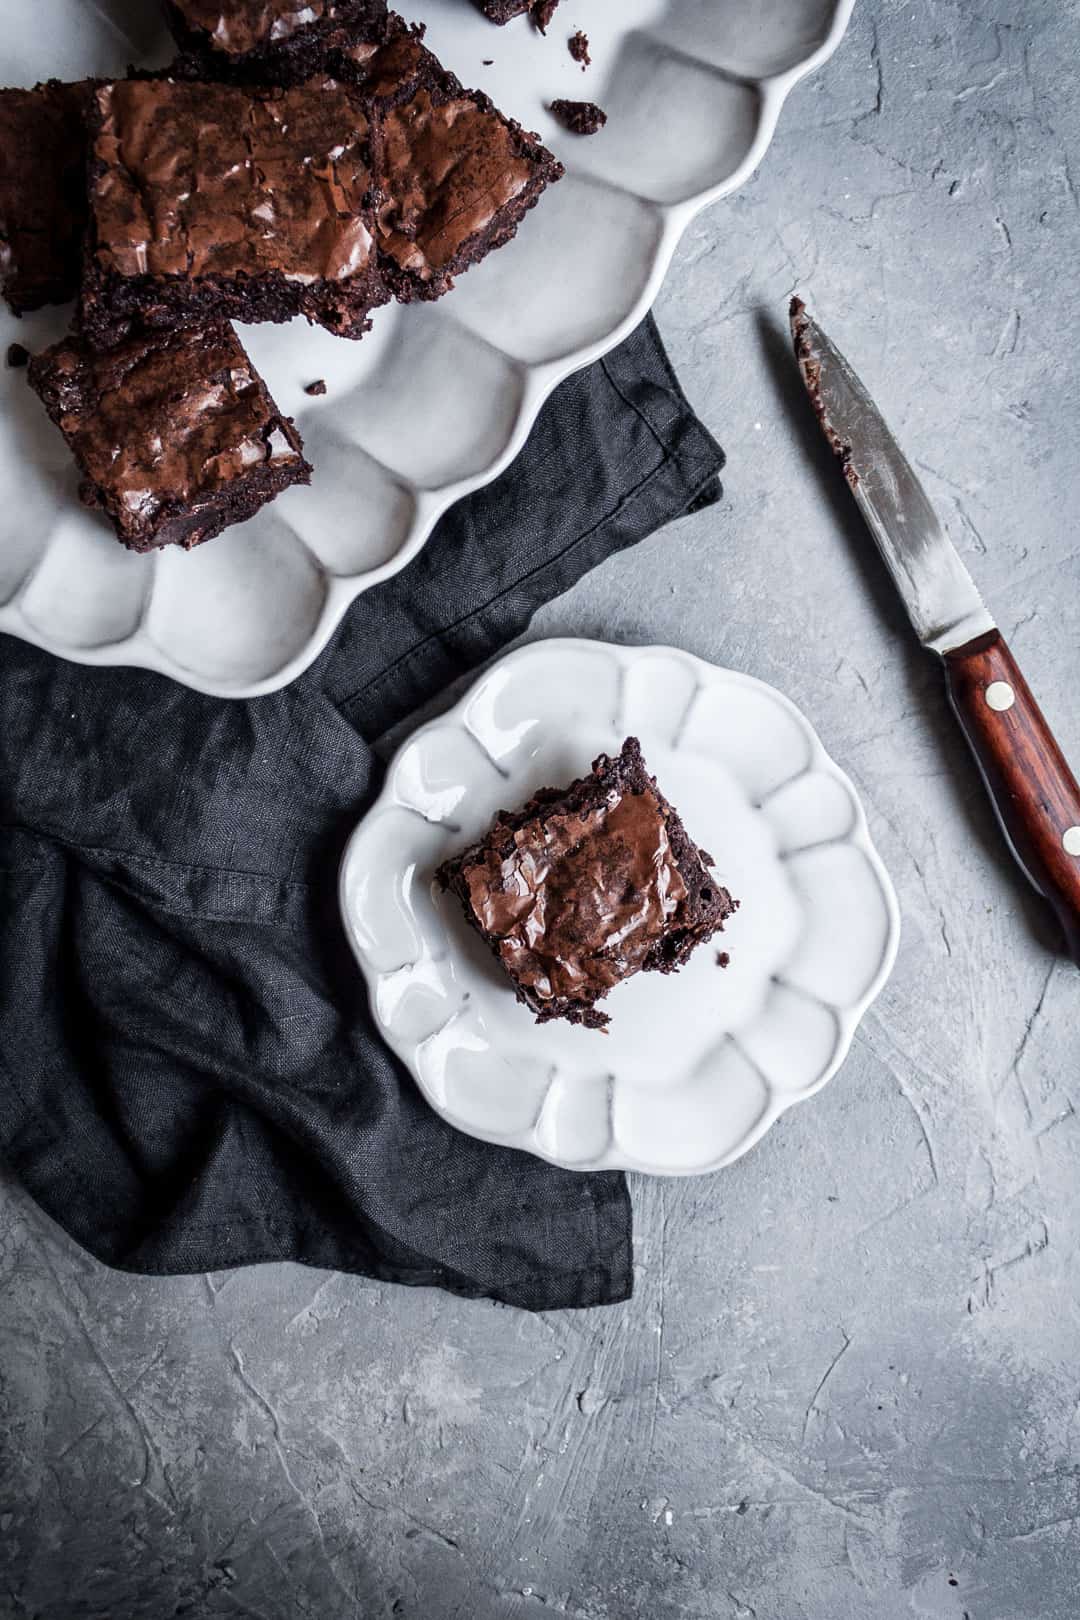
(1033, 791)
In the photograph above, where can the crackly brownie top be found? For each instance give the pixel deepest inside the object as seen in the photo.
(448, 166)
(246, 25)
(577, 900)
(42, 191)
(385, 66)
(201, 180)
(168, 420)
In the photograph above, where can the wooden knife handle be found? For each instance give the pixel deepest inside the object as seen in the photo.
(1033, 790)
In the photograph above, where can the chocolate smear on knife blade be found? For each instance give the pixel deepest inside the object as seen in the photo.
(810, 366)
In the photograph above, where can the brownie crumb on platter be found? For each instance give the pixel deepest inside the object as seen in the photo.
(175, 434)
(579, 117)
(578, 46)
(316, 388)
(585, 886)
(454, 176)
(501, 11)
(17, 356)
(723, 959)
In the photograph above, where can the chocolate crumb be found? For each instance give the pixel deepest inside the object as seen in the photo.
(579, 117)
(542, 12)
(316, 387)
(489, 61)
(17, 356)
(723, 958)
(578, 46)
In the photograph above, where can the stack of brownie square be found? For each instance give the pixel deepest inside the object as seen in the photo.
(309, 159)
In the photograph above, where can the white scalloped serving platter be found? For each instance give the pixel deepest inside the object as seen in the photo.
(696, 1066)
(436, 401)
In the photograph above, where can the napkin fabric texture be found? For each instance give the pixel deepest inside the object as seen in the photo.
(189, 1076)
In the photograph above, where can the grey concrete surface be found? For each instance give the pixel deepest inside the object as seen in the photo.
(848, 1387)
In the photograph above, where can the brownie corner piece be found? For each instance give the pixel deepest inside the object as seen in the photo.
(585, 886)
(455, 176)
(42, 192)
(219, 201)
(175, 434)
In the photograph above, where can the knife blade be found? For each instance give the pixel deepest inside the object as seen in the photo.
(940, 595)
(1033, 791)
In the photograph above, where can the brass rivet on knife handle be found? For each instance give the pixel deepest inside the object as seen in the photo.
(1033, 790)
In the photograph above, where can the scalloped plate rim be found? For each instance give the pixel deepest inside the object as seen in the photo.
(139, 651)
(847, 1018)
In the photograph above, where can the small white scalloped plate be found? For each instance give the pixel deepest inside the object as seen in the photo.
(695, 1067)
(438, 398)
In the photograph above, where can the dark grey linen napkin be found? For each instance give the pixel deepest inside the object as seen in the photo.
(189, 1076)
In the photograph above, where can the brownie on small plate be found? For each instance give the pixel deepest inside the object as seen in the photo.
(278, 40)
(175, 433)
(42, 193)
(212, 200)
(587, 885)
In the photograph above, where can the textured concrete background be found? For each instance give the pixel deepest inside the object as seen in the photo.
(849, 1384)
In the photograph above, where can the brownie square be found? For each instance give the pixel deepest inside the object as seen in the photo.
(452, 175)
(214, 200)
(585, 886)
(42, 193)
(175, 434)
(455, 176)
(279, 40)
